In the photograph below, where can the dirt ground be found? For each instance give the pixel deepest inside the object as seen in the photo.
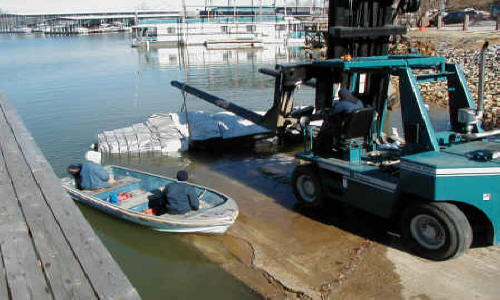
(284, 252)
(458, 38)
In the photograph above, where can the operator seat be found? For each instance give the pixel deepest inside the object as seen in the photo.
(356, 125)
(340, 131)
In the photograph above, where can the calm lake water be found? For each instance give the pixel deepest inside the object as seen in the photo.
(67, 89)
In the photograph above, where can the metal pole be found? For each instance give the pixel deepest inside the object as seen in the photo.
(480, 97)
(184, 8)
(253, 11)
(441, 14)
(234, 10)
(466, 22)
(260, 8)
(224, 104)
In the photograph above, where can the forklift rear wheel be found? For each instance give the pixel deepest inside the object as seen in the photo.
(307, 186)
(436, 230)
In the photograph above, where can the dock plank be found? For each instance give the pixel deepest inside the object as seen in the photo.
(104, 274)
(4, 294)
(62, 269)
(24, 277)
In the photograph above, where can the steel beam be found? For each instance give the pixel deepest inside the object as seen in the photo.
(224, 104)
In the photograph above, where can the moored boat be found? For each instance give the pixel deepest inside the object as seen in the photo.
(216, 212)
(225, 30)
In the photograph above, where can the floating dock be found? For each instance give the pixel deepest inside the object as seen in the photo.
(47, 248)
(174, 132)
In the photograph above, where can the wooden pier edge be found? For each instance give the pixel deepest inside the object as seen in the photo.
(72, 259)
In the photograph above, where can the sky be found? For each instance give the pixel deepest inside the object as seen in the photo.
(75, 6)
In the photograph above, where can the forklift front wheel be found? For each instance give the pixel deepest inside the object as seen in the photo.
(436, 230)
(307, 186)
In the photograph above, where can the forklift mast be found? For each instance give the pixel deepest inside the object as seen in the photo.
(356, 29)
(360, 28)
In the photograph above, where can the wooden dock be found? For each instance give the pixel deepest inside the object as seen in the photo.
(48, 250)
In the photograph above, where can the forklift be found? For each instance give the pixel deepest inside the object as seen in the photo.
(442, 187)
(436, 183)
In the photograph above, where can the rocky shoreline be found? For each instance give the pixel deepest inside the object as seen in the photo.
(469, 59)
(467, 53)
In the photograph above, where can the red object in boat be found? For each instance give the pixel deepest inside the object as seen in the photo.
(123, 196)
(421, 28)
(149, 211)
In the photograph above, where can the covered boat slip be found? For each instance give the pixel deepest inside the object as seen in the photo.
(48, 250)
(216, 211)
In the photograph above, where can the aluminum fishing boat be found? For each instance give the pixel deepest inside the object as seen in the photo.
(216, 212)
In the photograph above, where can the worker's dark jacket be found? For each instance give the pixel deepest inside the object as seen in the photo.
(180, 198)
(346, 107)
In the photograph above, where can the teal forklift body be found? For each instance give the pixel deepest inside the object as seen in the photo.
(357, 184)
(453, 175)
(430, 166)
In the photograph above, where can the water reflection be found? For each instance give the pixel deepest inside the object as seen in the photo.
(219, 69)
(200, 57)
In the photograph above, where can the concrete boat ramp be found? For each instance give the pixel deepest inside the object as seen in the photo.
(285, 252)
(174, 132)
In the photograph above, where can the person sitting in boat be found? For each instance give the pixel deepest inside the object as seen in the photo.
(90, 176)
(332, 122)
(180, 197)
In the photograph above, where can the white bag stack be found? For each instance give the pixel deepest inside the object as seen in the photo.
(169, 133)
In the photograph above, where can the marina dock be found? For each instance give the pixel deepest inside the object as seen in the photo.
(48, 250)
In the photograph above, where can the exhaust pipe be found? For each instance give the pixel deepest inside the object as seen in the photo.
(480, 96)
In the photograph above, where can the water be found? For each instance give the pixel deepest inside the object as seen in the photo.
(67, 89)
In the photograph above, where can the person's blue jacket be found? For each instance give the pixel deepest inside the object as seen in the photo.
(180, 198)
(346, 107)
(92, 176)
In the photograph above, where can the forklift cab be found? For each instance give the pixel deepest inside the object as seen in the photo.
(344, 136)
(441, 191)
(354, 131)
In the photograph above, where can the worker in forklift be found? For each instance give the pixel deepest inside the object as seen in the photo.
(332, 121)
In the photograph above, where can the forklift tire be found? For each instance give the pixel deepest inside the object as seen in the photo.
(436, 230)
(307, 186)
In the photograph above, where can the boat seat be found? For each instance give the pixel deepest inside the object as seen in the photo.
(138, 197)
(117, 184)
